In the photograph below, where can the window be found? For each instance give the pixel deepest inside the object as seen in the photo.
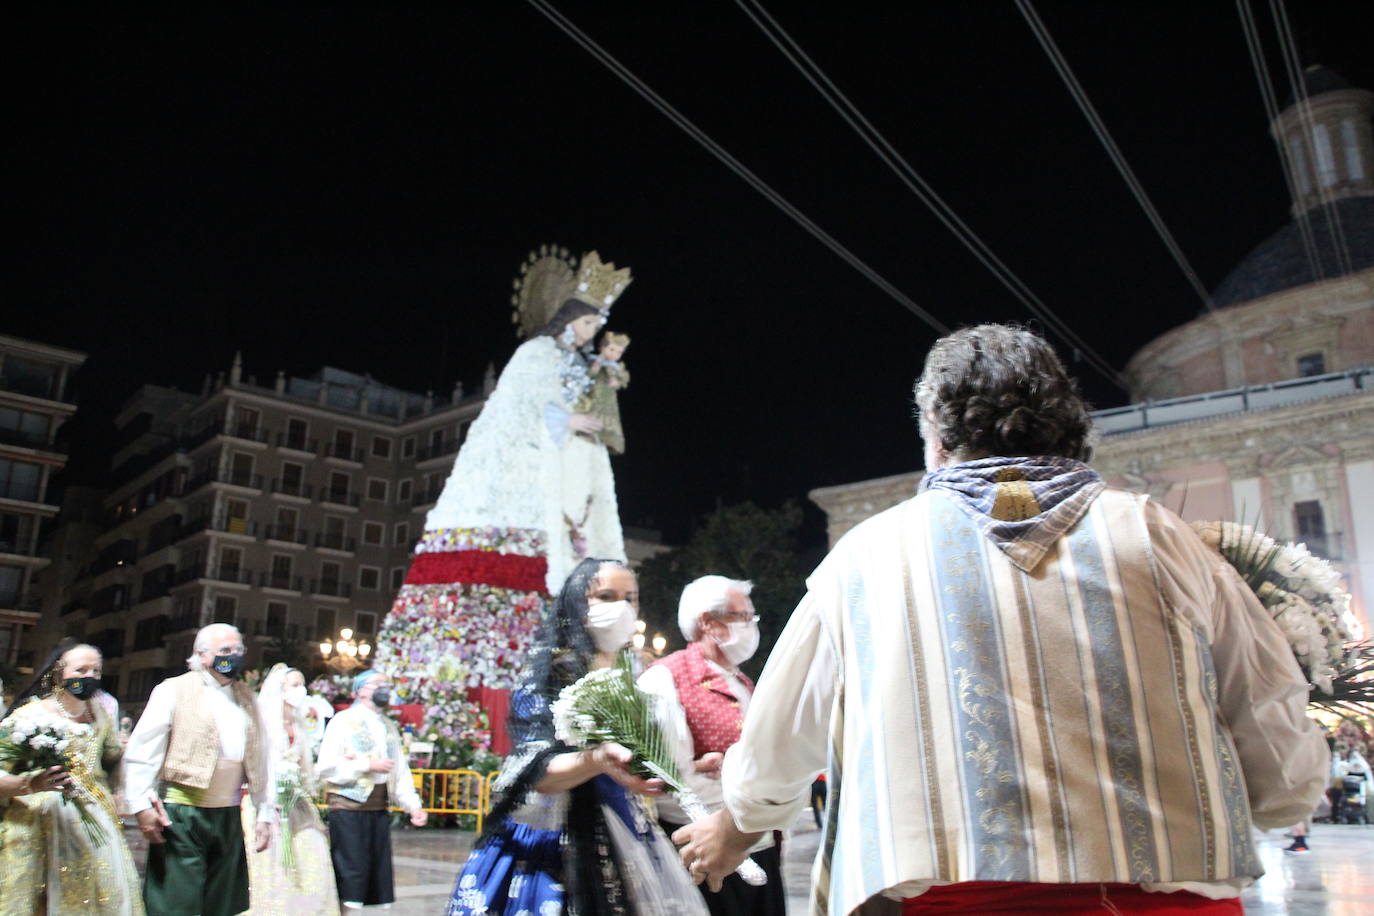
(408, 447)
(369, 577)
(1310, 364)
(403, 491)
(376, 489)
(401, 535)
(23, 427)
(230, 562)
(436, 441)
(343, 443)
(19, 480)
(339, 483)
(1310, 522)
(287, 521)
(241, 469)
(367, 623)
(293, 478)
(398, 578)
(373, 532)
(276, 618)
(324, 622)
(225, 607)
(248, 420)
(236, 517)
(281, 571)
(335, 527)
(297, 433)
(11, 577)
(330, 573)
(381, 447)
(37, 380)
(16, 531)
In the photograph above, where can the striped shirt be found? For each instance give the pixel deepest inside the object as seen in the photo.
(1122, 712)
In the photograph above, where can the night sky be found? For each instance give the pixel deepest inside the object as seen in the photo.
(356, 185)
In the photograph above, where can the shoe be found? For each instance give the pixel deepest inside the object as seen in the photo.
(1297, 848)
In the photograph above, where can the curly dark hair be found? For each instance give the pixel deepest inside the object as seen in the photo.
(998, 389)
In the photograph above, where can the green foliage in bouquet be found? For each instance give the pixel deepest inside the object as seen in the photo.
(605, 705)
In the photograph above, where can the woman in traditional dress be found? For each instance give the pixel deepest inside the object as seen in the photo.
(294, 876)
(569, 832)
(49, 863)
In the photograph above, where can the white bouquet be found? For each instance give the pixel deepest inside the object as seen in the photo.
(1305, 596)
(32, 743)
(605, 705)
(290, 790)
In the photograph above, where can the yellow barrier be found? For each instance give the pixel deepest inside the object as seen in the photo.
(448, 792)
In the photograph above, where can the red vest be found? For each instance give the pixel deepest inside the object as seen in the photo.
(713, 713)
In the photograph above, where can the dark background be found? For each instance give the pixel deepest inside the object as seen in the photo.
(355, 185)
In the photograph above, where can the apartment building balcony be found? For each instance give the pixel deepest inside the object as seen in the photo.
(183, 622)
(290, 535)
(242, 527)
(337, 542)
(27, 439)
(246, 432)
(267, 630)
(28, 604)
(338, 454)
(281, 582)
(330, 588)
(341, 498)
(295, 489)
(301, 444)
(437, 452)
(426, 497)
(224, 575)
(227, 477)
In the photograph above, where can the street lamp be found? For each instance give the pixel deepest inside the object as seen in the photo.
(345, 653)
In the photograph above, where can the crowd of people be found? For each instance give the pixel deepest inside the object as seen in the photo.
(1028, 692)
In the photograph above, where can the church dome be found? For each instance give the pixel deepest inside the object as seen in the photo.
(1280, 262)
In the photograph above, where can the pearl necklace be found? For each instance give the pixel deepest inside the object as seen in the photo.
(77, 717)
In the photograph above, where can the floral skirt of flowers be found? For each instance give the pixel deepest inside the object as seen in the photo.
(514, 874)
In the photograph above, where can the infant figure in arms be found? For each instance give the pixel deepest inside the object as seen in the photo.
(609, 376)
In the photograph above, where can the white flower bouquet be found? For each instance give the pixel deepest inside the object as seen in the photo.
(32, 743)
(1305, 596)
(290, 791)
(605, 705)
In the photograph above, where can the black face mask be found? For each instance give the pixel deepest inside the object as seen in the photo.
(381, 697)
(81, 687)
(228, 665)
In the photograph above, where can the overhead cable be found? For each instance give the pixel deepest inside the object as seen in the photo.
(758, 184)
(1271, 110)
(1061, 65)
(921, 188)
(1288, 47)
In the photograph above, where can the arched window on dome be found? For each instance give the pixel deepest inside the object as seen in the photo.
(1326, 159)
(1350, 139)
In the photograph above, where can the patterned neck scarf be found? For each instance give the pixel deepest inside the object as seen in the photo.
(1023, 505)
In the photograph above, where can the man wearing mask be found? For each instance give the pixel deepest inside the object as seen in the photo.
(703, 697)
(364, 770)
(200, 739)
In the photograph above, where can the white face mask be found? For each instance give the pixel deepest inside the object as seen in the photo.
(611, 624)
(294, 696)
(743, 642)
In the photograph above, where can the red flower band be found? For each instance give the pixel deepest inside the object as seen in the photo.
(479, 567)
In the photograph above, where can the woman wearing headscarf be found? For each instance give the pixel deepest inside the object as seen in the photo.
(569, 832)
(293, 877)
(49, 862)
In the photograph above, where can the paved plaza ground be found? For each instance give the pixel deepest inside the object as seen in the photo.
(1335, 879)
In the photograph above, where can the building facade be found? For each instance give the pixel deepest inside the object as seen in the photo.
(1262, 409)
(288, 510)
(33, 405)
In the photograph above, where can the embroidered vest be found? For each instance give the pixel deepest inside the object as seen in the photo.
(363, 743)
(713, 713)
(193, 744)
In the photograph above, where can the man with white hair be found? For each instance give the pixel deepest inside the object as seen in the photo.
(702, 700)
(198, 741)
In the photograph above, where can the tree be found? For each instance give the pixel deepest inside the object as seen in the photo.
(742, 541)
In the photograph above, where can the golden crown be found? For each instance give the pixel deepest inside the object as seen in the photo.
(598, 283)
